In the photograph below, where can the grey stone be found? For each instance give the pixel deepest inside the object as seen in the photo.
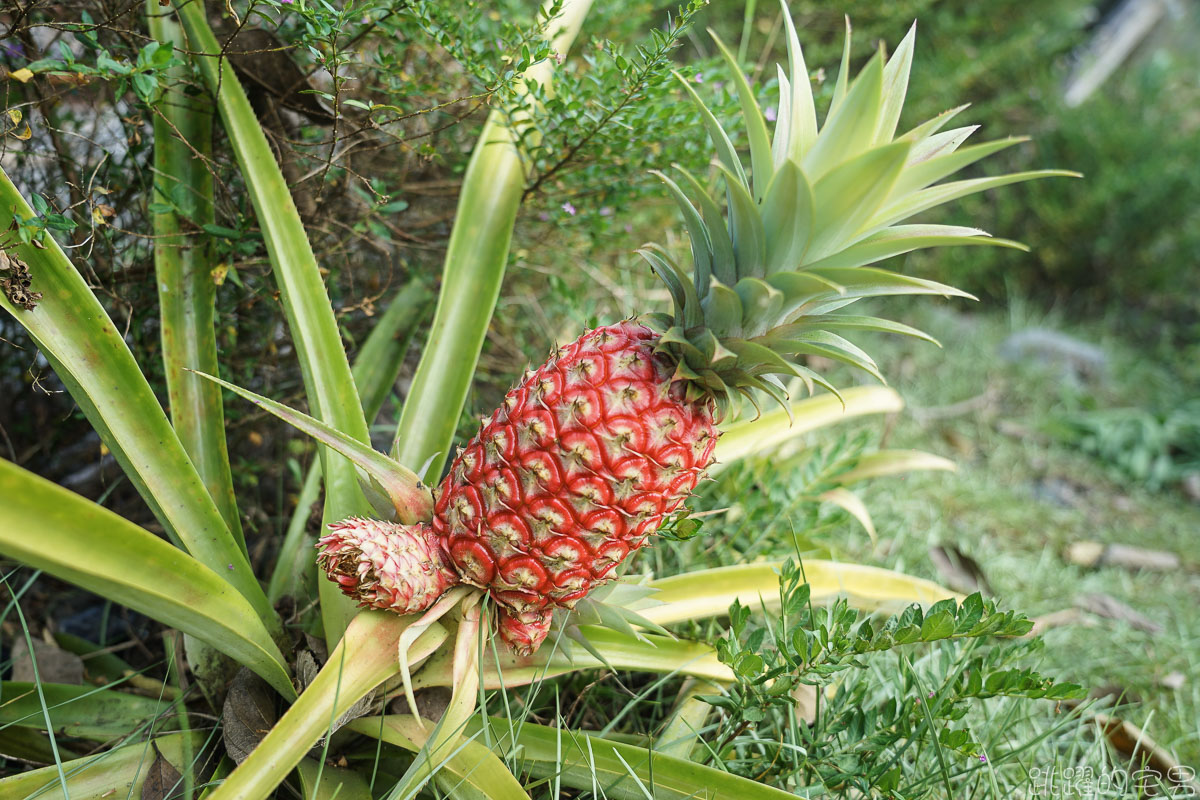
(1075, 357)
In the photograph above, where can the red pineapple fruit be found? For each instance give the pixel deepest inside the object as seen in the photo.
(571, 475)
(595, 447)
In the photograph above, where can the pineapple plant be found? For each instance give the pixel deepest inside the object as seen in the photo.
(596, 447)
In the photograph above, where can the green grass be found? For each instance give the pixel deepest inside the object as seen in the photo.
(993, 510)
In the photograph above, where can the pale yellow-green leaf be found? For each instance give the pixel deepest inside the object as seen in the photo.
(800, 112)
(900, 239)
(934, 196)
(560, 655)
(709, 593)
(895, 86)
(894, 462)
(117, 773)
(848, 195)
(756, 126)
(52, 529)
(853, 505)
(619, 771)
(774, 428)
(472, 763)
(850, 127)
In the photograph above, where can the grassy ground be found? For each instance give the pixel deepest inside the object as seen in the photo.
(1021, 497)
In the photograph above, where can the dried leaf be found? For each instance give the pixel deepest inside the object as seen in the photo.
(308, 664)
(805, 696)
(24, 74)
(163, 781)
(1057, 619)
(54, 665)
(432, 703)
(959, 571)
(1152, 761)
(1173, 681)
(249, 714)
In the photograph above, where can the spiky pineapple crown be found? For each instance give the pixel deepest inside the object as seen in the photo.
(770, 279)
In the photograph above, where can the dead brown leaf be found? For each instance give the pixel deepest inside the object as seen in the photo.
(1058, 619)
(54, 665)
(1143, 753)
(806, 703)
(959, 571)
(1097, 554)
(249, 713)
(163, 781)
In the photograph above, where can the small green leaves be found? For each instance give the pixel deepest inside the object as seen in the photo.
(813, 644)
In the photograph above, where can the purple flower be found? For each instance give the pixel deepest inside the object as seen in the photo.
(544, 216)
(606, 211)
(12, 49)
(287, 2)
(567, 207)
(983, 758)
(771, 114)
(699, 77)
(628, 228)
(931, 693)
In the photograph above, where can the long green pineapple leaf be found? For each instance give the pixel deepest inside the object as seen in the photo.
(476, 258)
(777, 427)
(52, 529)
(332, 395)
(183, 267)
(473, 765)
(87, 712)
(578, 759)
(620, 771)
(560, 656)
(376, 367)
(114, 773)
(412, 498)
(710, 592)
(85, 348)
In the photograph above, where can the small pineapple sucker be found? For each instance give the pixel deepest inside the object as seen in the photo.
(386, 565)
(523, 638)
